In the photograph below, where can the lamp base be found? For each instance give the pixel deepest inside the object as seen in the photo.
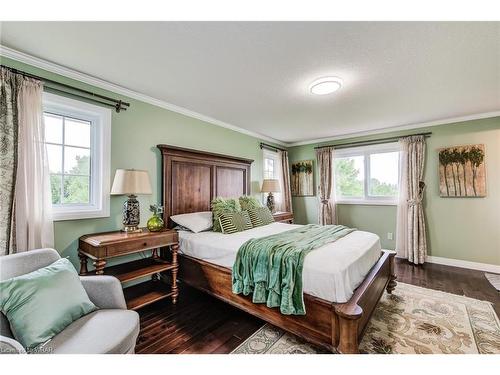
(270, 202)
(131, 229)
(131, 215)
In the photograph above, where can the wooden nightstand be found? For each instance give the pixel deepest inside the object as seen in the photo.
(101, 246)
(283, 217)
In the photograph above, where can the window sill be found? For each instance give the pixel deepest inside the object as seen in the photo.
(368, 203)
(78, 215)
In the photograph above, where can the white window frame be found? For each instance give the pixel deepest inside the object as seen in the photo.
(366, 151)
(267, 154)
(100, 149)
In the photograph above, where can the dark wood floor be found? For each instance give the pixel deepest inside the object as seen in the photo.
(202, 324)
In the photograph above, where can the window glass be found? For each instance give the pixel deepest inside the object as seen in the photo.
(69, 166)
(384, 169)
(367, 174)
(350, 174)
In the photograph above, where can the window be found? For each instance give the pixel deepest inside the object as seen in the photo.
(270, 164)
(367, 175)
(271, 169)
(77, 140)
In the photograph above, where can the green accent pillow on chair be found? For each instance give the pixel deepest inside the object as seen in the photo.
(42, 303)
(223, 205)
(247, 202)
(232, 222)
(260, 216)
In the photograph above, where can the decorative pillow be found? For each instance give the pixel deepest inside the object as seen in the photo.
(232, 222)
(260, 216)
(195, 222)
(247, 202)
(40, 304)
(223, 205)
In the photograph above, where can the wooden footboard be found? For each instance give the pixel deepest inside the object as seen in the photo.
(335, 326)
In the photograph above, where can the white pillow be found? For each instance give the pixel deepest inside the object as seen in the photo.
(195, 222)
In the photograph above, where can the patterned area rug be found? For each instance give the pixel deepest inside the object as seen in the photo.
(494, 280)
(412, 320)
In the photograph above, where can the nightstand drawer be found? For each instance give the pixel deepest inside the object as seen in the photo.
(140, 244)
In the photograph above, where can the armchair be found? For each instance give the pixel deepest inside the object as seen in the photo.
(111, 329)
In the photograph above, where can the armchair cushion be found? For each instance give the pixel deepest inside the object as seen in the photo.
(42, 303)
(10, 346)
(102, 331)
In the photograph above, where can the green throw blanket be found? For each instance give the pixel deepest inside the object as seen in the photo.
(271, 267)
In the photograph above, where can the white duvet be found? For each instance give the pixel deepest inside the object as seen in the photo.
(331, 272)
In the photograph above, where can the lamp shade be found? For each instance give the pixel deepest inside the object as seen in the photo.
(270, 186)
(131, 182)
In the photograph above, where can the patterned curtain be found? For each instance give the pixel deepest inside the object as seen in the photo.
(25, 199)
(286, 197)
(9, 89)
(326, 212)
(411, 241)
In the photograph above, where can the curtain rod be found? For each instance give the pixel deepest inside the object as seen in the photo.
(119, 105)
(371, 142)
(271, 147)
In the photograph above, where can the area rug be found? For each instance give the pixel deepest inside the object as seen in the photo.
(494, 280)
(412, 320)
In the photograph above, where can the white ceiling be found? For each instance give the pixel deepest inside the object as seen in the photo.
(255, 75)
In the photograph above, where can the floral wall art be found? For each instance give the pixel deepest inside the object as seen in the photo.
(462, 172)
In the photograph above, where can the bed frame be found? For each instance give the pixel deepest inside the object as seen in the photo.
(191, 179)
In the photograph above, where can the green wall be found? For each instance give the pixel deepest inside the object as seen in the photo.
(135, 134)
(458, 228)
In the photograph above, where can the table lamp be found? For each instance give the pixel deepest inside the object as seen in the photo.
(131, 182)
(270, 186)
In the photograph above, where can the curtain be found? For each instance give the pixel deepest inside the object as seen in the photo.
(326, 212)
(9, 87)
(286, 194)
(29, 204)
(411, 240)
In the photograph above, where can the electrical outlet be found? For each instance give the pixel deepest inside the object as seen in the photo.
(389, 235)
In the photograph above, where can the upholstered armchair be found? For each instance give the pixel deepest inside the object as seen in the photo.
(110, 329)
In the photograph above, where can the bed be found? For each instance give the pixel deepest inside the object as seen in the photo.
(340, 293)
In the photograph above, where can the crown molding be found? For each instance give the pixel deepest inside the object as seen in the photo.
(451, 120)
(97, 82)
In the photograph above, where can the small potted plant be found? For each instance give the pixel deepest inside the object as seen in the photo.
(155, 223)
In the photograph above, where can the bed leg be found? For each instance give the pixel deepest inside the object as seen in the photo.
(349, 330)
(392, 278)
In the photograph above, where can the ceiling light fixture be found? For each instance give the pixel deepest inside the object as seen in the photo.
(325, 85)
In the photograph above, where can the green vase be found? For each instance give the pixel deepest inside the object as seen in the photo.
(155, 223)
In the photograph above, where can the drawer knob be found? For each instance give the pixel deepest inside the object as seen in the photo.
(145, 244)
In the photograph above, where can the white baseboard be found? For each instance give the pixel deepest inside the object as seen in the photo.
(464, 264)
(493, 268)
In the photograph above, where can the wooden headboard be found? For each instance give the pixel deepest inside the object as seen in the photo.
(191, 179)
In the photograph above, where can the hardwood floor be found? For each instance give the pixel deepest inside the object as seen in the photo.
(198, 323)
(202, 324)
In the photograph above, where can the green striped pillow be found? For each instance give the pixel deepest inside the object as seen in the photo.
(220, 205)
(232, 222)
(260, 216)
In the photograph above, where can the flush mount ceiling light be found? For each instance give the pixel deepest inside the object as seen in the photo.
(325, 85)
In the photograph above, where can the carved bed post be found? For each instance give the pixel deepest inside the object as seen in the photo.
(392, 280)
(349, 317)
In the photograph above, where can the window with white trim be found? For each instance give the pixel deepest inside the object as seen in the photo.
(367, 175)
(271, 170)
(77, 140)
(270, 165)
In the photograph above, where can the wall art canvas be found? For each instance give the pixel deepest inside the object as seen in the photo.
(302, 178)
(462, 172)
